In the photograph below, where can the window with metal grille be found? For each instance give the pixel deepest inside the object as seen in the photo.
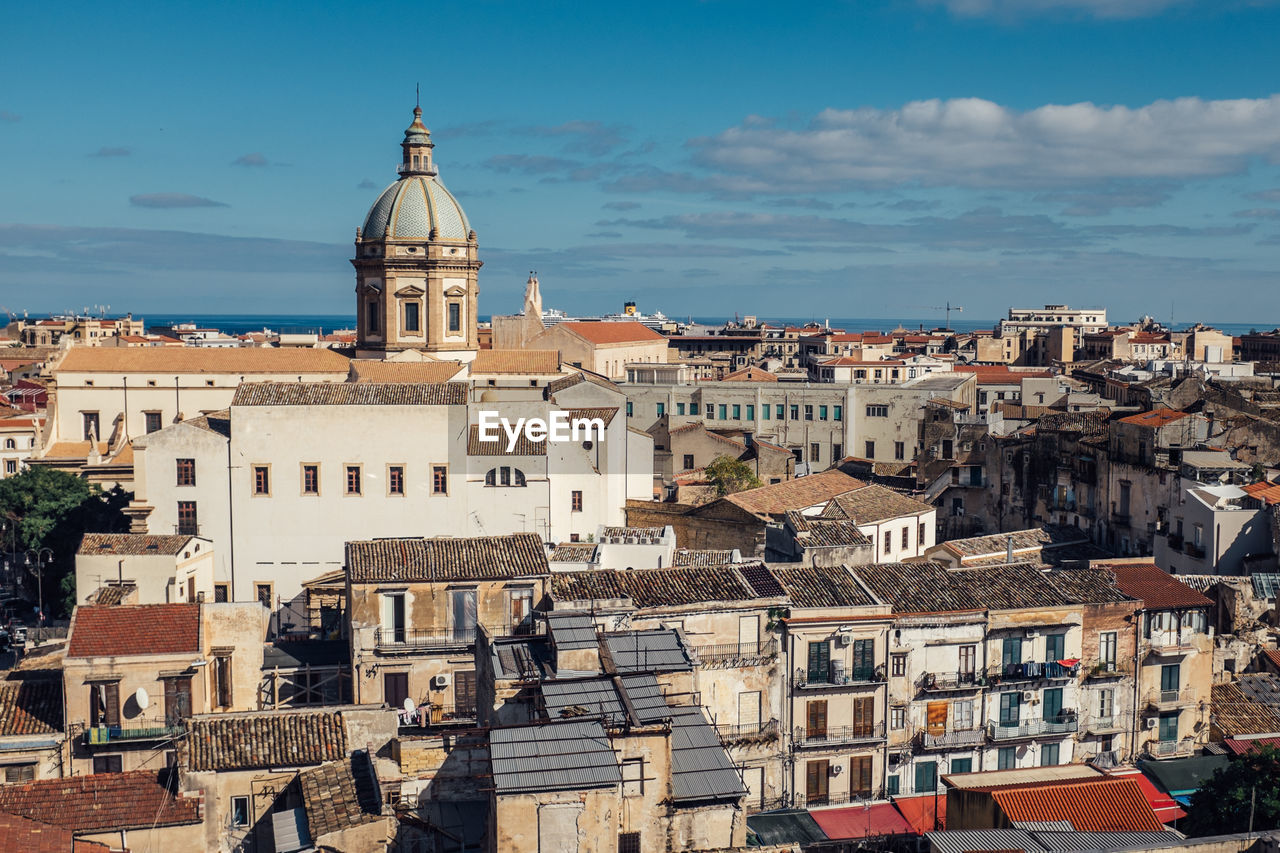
(187, 524)
(186, 472)
(153, 423)
(353, 479)
(628, 842)
(311, 479)
(576, 501)
(261, 480)
(395, 480)
(439, 480)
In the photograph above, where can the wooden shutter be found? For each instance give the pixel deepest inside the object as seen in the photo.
(819, 661)
(817, 713)
(464, 693)
(816, 773)
(864, 715)
(937, 717)
(860, 776)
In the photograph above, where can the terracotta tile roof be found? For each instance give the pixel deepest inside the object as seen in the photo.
(516, 555)
(404, 372)
(264, 739)
(1155, 418)
(1087, 586)
(1157, 589)
(113, 594)
(1264, 491)
(219, 422)
(996, 374)
(202, 360)
(637, 532)
(1273, 657)
(103, 802)
(762, 581)
(799, 493)
(524, 446)
(139, 629)
(1033, 539)
(824, 533)
(32, 836)
(873, 503)
(703, 557)
(1106, 805)
(749, 374)
(529, 361)
(349, 394)
(931, 588)
(1235, 712)
(623, 331)
(578, 376)
(573, 552)
(1086, 423)
(653, 587)
(131, 544)
(604, 413)
(340, 795)
(31, 707)
(73, 450)
(822, 586)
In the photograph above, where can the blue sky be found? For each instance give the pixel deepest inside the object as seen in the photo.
(825, 159)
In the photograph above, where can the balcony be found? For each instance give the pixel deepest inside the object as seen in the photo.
(1030, 671)
(1172, 644)
(953, 739)
(1107, 759)
(1104, 725)
(748, 733)
(1121, 519)
(137, 729)
(409, 640)
(736, 654)
(857, 676)
(1103, 669)
(1170, 698)
(1170, 748)
(1194, 551)
(1066, 723)
(939, 682)
(432, 718)
(839, 735)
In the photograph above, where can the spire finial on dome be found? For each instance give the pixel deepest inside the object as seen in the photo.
(417, 145)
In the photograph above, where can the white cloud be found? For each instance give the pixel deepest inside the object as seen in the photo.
(976, 143)
(1101, 9)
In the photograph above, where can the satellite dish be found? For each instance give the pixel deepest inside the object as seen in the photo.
(142, 698)
(408, 705)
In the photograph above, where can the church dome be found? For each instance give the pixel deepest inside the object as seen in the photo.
(411, 208)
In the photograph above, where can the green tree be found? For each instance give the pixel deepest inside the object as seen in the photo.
(46, 508)
(729, 475)
(1222, 804)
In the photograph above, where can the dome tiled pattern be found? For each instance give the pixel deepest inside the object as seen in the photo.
(411, 207)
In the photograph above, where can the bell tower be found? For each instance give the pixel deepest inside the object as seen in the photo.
(416, 262)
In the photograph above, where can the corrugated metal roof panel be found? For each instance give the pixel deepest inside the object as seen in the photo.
(980, 840)
(557, 756)
(571, 630)
(1106, 805)
(648, 651)
(700, 769)
(1055, 841)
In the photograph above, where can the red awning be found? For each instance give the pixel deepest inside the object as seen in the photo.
(877, 819)
(924, 814)
(1161, 803)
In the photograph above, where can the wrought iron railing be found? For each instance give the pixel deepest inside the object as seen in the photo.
(964, 680)
(950, 739)
(732, 652)
(155, 728)
(1108, 668)
(1063, 724)
(412, 639)
(839, 734)
(743, 732)
(1031, 671)
(1175, 696)
(827, 678)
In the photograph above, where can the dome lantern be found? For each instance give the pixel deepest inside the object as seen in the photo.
(417, 147)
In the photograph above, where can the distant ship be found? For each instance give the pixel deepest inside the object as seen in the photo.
(656, 321)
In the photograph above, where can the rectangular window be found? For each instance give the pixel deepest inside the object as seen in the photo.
(1051, 704)
(926, 776)
(662, 409)
(104, 704)
(808, 413)
(893, 785)
(631, 409)
(819, 661)
(906, 538)
(177, 699)
(393, 617)
(439, 479)
(897, 718)
(860, 776)
(795, 413)
(108, 764)
(412, 322)
(462, 614)
(968, 660)
(187, 524)
(1106, 704)
(1007, 758)
(455, 317)
(239, 811)
(920, 536)
(688, 462)
(751, 413)
(899, 450)
(632, 778)
(888, 542)
(899, 665)
(679, 408)
(737, 412)
(262, 592)
(371, 317)
(1010, 708)
(838, 413)
(778, 411)
(19, 773)
(221, 593)
(711, 411)
(152, 420)
(1170, 678)
(353, 480)
(871, 450)
(724, 411)
(262, 479)
(628, 842)
(1048, 755)
(504, 475)
(962, 765)
(186, 472)
(222, 681)
(1107, 644)
(311, 479)
(813, 451)
(816, 781)
(962, 711)
(1055, 647)
(816, 719)
(91, 430)
(1168, 727)
(575, 501)
(395, 479)
(877, 411)
(1011, 651)
(765, 411)
(822, 413)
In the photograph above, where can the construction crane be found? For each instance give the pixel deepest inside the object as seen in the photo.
(948, 308)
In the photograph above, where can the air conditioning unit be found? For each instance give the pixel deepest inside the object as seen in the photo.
(1152, 722)
(439, 682)
(845, 639)
(836, 769)
(1028, 695)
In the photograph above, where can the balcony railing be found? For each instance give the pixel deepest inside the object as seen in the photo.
(431, 717)
(1193, 550)
(748, 732)
(953, 739)
(1104, 725)
(734, 653)
(1170, 748)
(137, 729)
(1031, 671)
(1061, 725)
(1106, 759)
(1168, 698)
(187, 528)
(412, 639)
(833, 735)
(1108, 669)
(944, 681)
(1171, 643)
(855, 676)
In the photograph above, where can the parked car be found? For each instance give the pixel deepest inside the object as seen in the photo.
(17, 632)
